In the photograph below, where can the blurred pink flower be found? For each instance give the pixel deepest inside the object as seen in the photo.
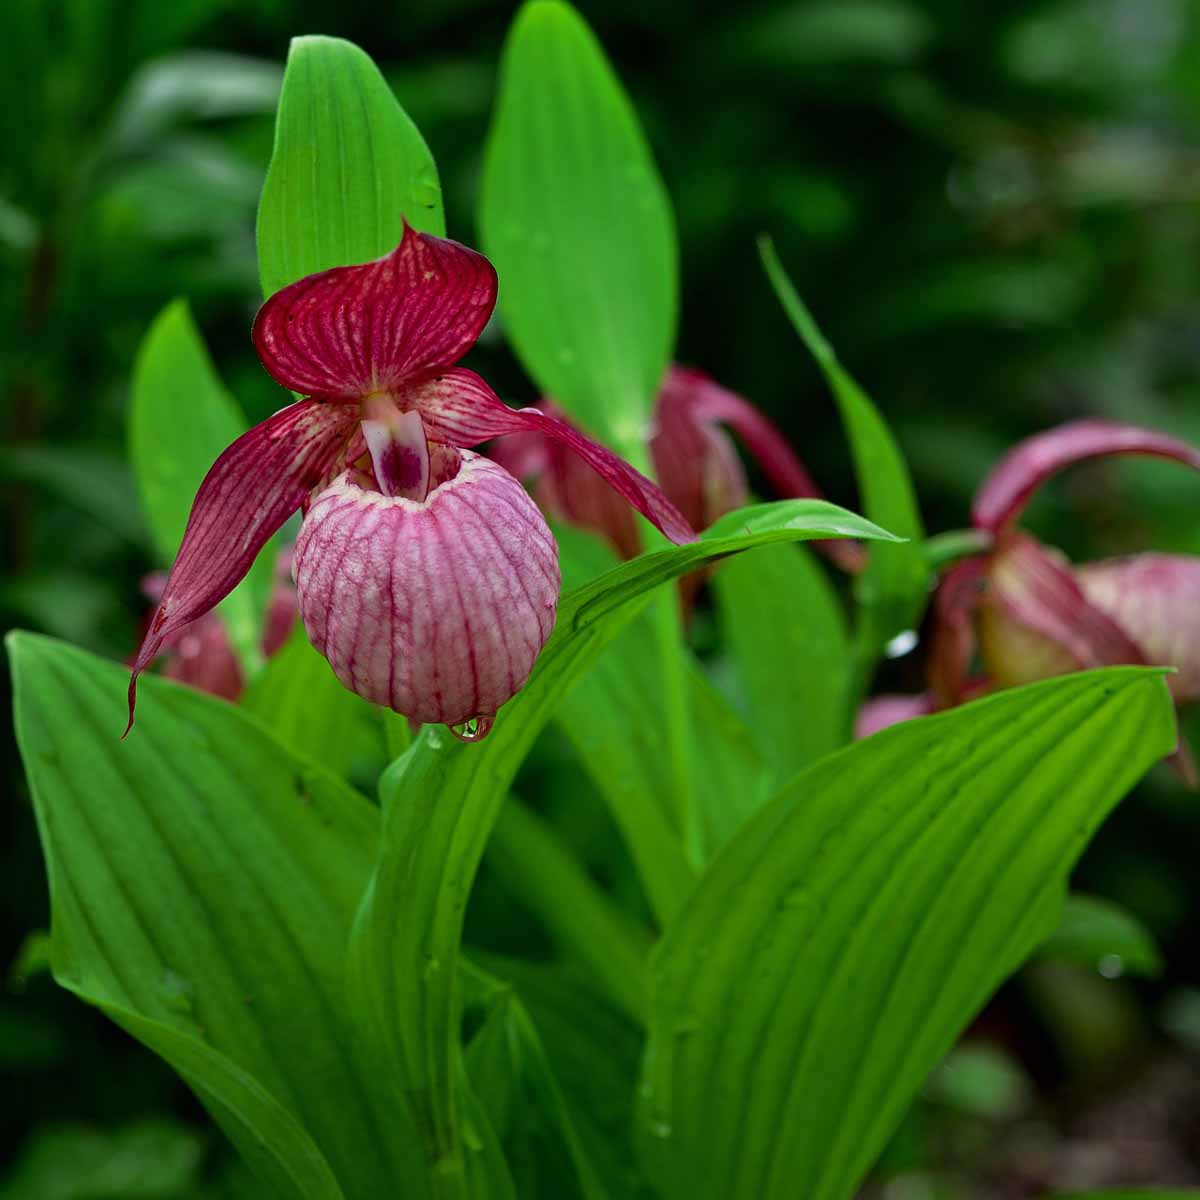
(1028, 614)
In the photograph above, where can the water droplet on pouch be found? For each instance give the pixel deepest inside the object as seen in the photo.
(660, 1129)
(1111, 966)
(473, 729)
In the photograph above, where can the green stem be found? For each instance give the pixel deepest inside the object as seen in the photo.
(944, 549)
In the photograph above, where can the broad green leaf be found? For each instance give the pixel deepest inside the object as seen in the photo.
(203, 880)
(181, 418)
(784, 630)
(441, 801)
(577, 221)
(1131, 1194)
(893, 588)
(533, 864)
(149, 1160)
(1097, 933)
(307, 708)
(614, 718)
(594, 1051)
(515, 1083)
(861, 919)
(347, 165)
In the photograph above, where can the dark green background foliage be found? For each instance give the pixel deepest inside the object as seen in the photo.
(993, 210)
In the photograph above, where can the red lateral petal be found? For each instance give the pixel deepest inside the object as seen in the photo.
(707, 401)
(1030, 463)
(1155, 598)
(952, 641)
(1037, 622)
(350, 331)
(249, 492)
(458, 407)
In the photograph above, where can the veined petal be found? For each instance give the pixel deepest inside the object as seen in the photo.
(952, 641)
(707, 404)
(1155, 598)
(249, 492)
(458, 407)
(1030, 463)
(709, 401)
(439, 608)
(1037, 622)
(351, 331)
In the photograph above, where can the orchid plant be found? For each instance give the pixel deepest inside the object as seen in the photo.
(741, 993)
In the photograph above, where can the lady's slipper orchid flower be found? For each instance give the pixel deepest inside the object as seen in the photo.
(424, 573)
(694, 460)
(1028, 614)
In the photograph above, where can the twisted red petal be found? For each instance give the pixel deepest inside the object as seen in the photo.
(952, 641)
(458, 407)
(1030, 463)
(350, 331)
(705, 400)
(1155, 598)
(1037, 622)
(249, 492)
(437, 609)
(711, 402)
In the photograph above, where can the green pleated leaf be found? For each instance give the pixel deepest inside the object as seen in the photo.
(347, 164)
(203, 880)
(1097, 933)
(307, 708)
(860, 920)
(181, 418)
(441, 801)
(786, 636)
(892, 590)
(614, 718)
(514, 1081)
(577, 221)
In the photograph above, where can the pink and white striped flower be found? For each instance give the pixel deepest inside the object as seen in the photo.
(424, 573)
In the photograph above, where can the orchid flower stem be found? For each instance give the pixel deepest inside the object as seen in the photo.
(534, 864)
(945, 549)
(667, 621)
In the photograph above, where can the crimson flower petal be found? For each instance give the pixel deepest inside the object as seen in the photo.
(1155, 598)
(706, 401)
(351, 331)
(458, 407)
(1037, 621)
(256, 484)
(952, 642)
(1030, 463)
(709, 401)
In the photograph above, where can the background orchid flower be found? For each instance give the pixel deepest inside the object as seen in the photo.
(694, 458)
(1027, 613)
(201, 654)
(424, 573)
